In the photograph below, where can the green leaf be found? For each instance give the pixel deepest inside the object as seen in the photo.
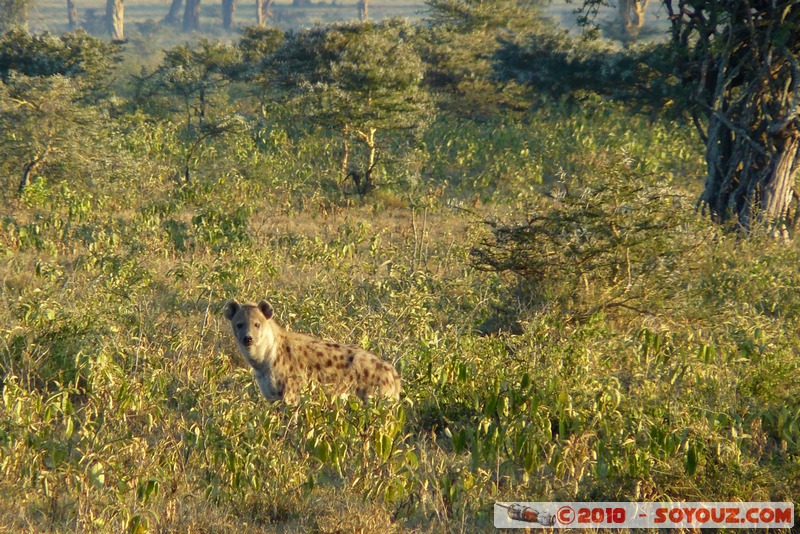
(385, 446)
(97, 474)
(138, 525)
(692, 457)
(146, 489)
(322, 451)
(525, 383)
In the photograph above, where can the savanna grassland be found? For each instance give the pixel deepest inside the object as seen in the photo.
(567, 324)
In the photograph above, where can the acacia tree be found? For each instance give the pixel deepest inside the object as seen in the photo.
(46, 84)
(738, 63)
(741, 60)
(256, 45)
(42, 122)
(75, 55)
(189, 83)
(463, 38)
(362, 80)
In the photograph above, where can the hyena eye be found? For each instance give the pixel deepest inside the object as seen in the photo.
(258, 325)
(240, 326)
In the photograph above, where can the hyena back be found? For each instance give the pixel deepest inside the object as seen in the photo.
(284, 362)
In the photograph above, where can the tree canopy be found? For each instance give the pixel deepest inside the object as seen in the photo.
(74, 55)
(741, 61)
(357, 79)
(737, 62)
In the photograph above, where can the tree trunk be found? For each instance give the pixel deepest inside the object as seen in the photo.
(345, 157)
(745, 82)
(261, 20)
(371, 146)
(115, 13)
(631, 16)
(266, 13)
(363, 10)
(749, 184)
(366, 182)
(174, 12)
(72, 15)
(30, 169)
(191, 16)
(639, 8)
(228, 10)
(778, 190)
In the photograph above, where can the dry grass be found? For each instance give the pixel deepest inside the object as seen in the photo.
(125, 405)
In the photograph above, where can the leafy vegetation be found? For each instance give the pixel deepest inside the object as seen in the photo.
(566, 325)
(614, 239)
(463, 38)
(361, 80)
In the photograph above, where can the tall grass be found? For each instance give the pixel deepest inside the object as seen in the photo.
(125, 405)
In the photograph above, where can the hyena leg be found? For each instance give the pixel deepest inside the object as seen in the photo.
(265, 386)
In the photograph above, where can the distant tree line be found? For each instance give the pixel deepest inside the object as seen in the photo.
(15, 13)
(730, 67)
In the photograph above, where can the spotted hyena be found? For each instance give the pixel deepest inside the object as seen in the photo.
(283, 362)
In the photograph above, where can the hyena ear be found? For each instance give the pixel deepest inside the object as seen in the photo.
(230, 309)
(266, 309)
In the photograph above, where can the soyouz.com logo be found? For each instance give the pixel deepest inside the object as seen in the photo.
(644, 514)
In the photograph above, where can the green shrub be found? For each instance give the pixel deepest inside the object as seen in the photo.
(615, 238)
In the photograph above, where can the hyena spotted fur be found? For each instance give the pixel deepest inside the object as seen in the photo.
(284, 362)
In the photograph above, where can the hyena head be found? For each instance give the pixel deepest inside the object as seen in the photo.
(251, 328)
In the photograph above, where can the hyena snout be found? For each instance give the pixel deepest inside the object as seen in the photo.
(247, 341)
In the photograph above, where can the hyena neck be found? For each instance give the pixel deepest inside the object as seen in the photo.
(268, 354)
(257, 356)
(281, 351)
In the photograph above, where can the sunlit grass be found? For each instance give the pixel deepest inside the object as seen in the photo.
(126, 406)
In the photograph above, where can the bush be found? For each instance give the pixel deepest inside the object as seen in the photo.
(615, 239)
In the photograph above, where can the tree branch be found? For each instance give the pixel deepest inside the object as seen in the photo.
(793, 111)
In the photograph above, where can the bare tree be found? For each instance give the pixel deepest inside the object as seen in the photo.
(115, 14)
(260, 18)
(72, 15)
(191, 15)
(263, 12)
(739, 64)
(631, 15)
(228, 10)
(174, 12)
